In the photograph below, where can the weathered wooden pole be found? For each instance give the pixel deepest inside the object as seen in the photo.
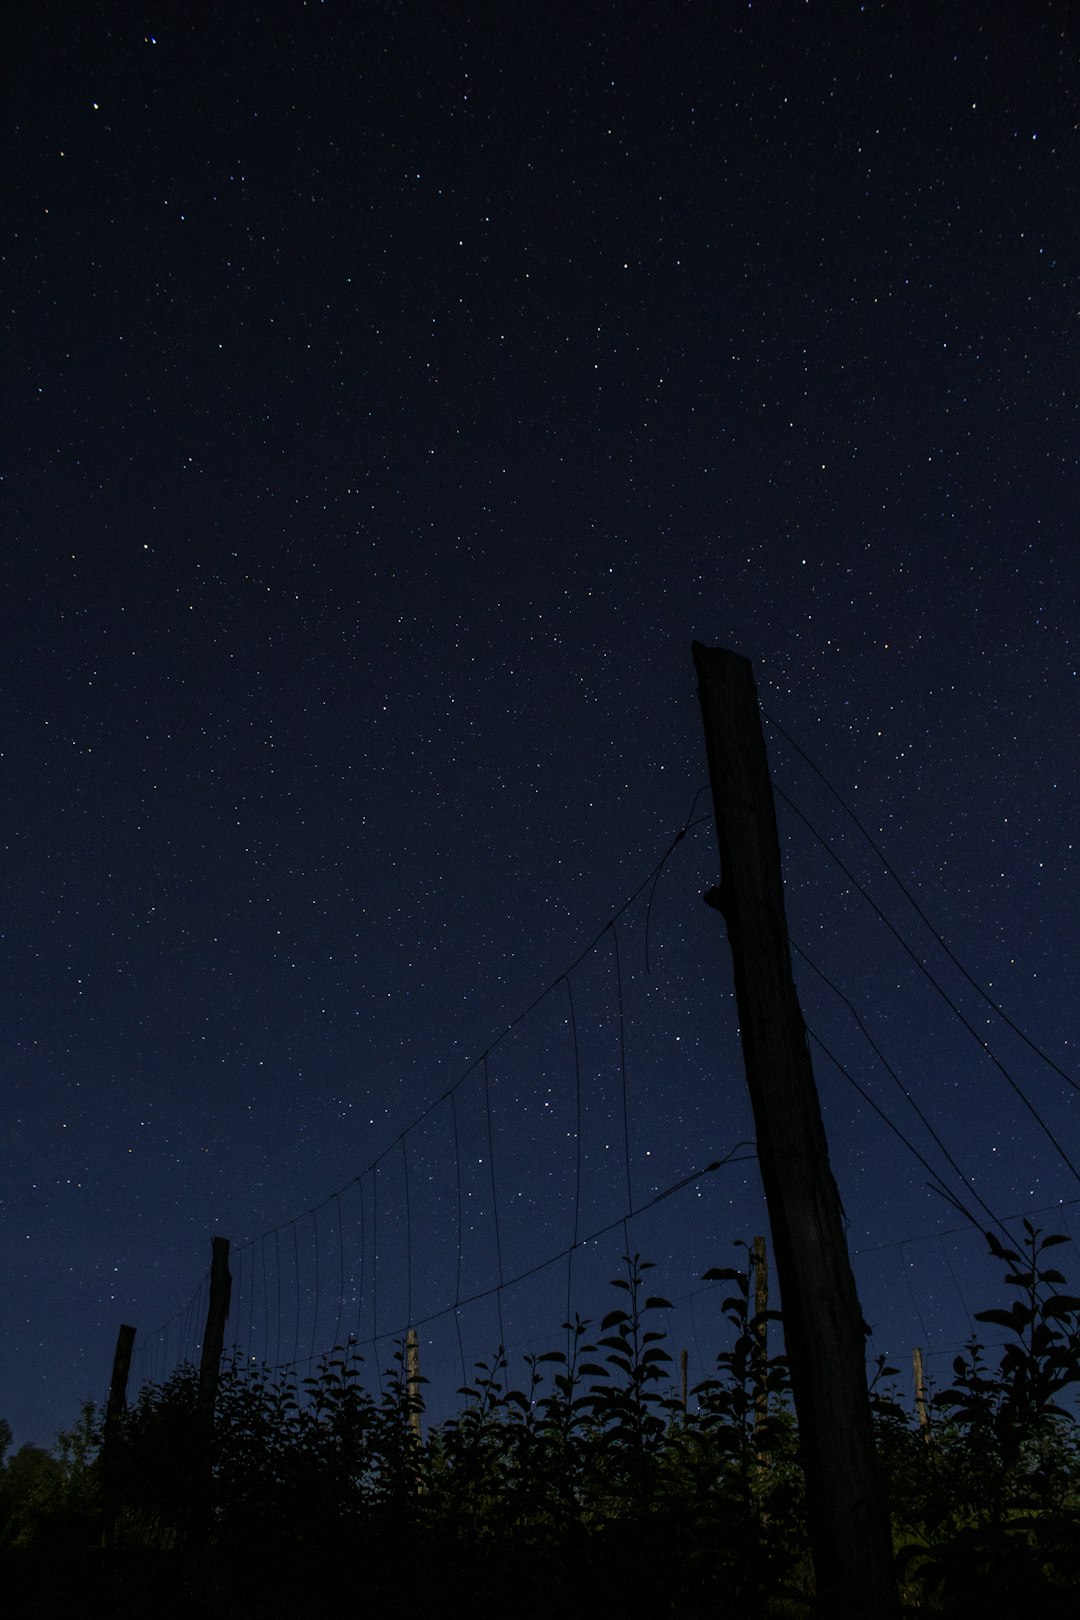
(217, 1313)
(114, 1411)
(823, 1327)
(201, 1458)
(117, 1403)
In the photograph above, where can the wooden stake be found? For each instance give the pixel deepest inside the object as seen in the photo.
(114, 1411)
(823, 1328)
(920, 1393)
(412, 1382)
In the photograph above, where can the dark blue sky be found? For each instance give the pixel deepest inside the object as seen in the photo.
(392, 396)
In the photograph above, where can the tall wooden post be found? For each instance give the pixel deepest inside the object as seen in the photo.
(823, 1328)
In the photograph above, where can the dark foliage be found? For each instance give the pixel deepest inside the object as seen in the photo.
(987, 1502)
(590, 1485)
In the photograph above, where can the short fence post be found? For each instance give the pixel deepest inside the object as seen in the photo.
(412, 1383)
(214, 1337)
(114, 1411)
(920, 1393)
(117, 1404)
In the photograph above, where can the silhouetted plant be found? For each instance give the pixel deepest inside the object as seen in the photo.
(546, 1429)
(734, 1458)
(628, 1407)
(566, 1410)
(994, 1509)
(742, 1406)
(471, 1456)
(1042, 1358)
(398, 1453)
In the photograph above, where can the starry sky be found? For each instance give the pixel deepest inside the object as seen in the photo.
(393, 393)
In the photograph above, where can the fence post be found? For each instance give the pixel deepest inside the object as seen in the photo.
(920, 1393)
(114, 1411)
(412, 1383)
(117, 1403)
(214, 1337)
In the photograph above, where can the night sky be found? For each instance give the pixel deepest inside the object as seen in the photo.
(393, 393)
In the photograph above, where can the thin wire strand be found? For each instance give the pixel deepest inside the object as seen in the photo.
(341, 1273)
(679, 836)
(953, 1231)
(266, 1305)
(315, 1312)
(897, 1132)
(236, 1300)
(457, 1274)
(249, 1348)
(920, 913)
(983, 1045)
(926, 1339)
(955, 1282)
(408, 1231)
(900, 1085)
(375, 1255)
(577, 1141)
(277, 1273)
(622, 1068)
(494, 1198)
(296, 1274)
(360, 1287)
